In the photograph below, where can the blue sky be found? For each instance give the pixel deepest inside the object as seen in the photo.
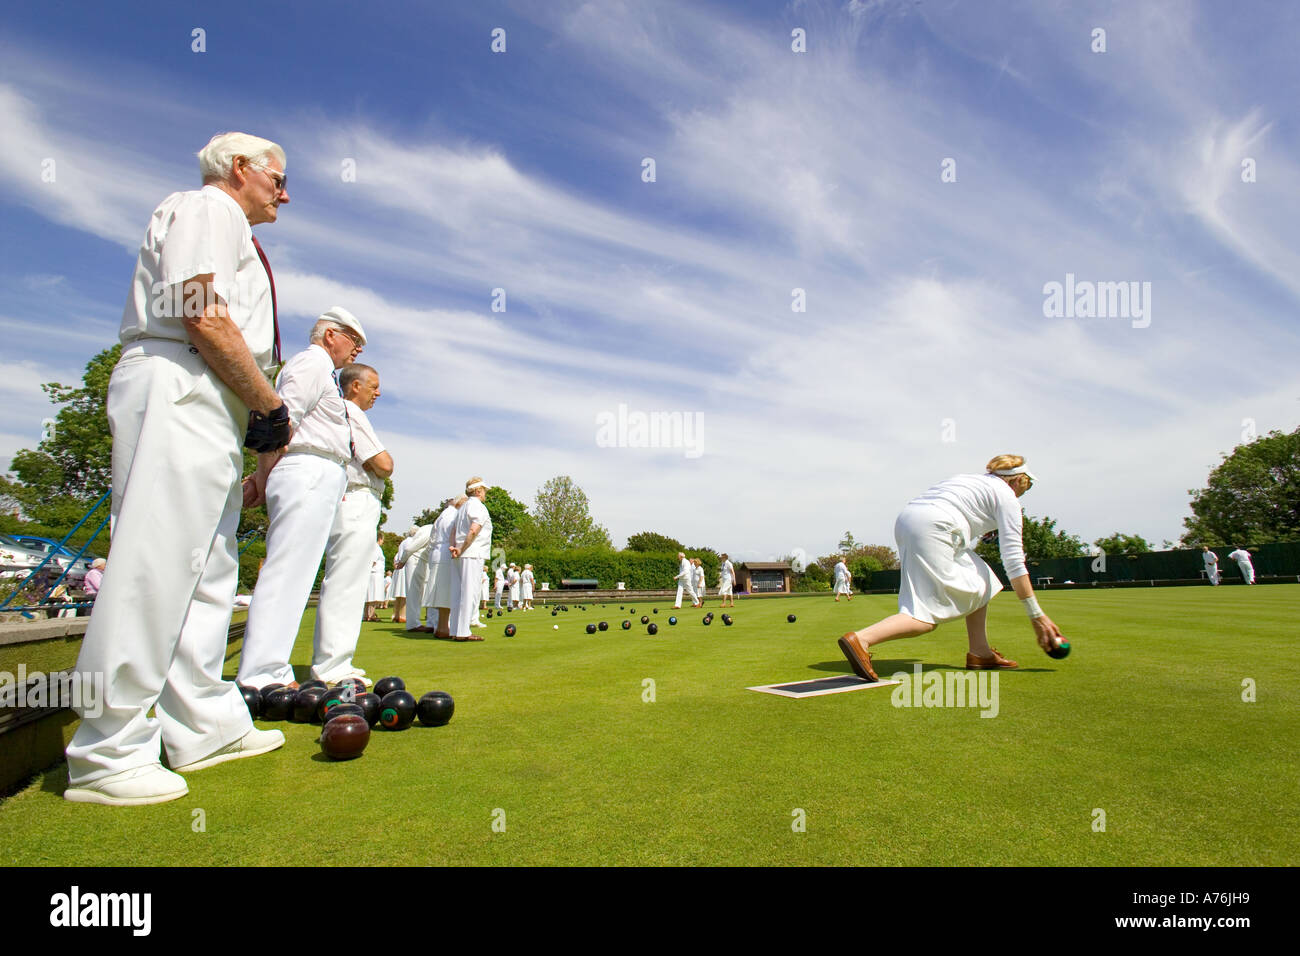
(924, 349)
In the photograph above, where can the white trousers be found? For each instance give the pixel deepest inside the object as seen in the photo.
(1247, 571)
(1212, 572)
(157, 637)
(348, 552)
(417, 575)
(689, 589)
(466, 578)
(500, 590)
(302, 495)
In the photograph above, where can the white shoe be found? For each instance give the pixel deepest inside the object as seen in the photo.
(131, 788)
(250, 745)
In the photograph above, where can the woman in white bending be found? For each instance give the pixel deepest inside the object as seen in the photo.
(941, 576)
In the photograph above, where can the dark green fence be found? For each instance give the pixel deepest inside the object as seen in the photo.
(1281, 560)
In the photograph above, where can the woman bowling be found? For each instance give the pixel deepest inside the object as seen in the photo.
(941, 576)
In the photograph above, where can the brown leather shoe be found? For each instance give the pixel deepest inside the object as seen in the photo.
(858, 656)
(996, 662)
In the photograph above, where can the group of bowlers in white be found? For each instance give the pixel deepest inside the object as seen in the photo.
(200, 343)
(690, 581)
(442, 567)
(193, 385)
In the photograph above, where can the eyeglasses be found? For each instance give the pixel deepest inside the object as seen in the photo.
(356, 343)
(279, 180)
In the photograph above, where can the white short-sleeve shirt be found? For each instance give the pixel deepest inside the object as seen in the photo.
(366, 445)
(317, 411)
(196, 233)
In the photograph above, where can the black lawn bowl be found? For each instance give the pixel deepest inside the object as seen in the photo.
(342, 710)
(304, 708)
(369, 704)
(278, 705)
(397, 710)
(386, 685)
(626, 625)
(252, 700)
(652, 628)
(603, 625)
(510, 630)
(435, 708)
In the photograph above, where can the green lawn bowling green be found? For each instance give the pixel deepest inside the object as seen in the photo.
(1145, 721)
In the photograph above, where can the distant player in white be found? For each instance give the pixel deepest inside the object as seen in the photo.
(685, 581)
(484, 588)
(1211, 564)
(500, 584)
(1242, 557)
(941, 576)
(440, 590)
(526, 581)
(470, 547)
(726, 581)
(512, 581)
(375, 590)
(699, 580)
(843, 581)
(411, 558)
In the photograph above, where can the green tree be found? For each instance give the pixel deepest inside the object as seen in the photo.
(55, 484)
(1041, 541)
(649, 541)
(1118, 543)
(562, 517)
(505, 512)
(847, 543)
(1252, 497)
(427, 516)
(879, 557)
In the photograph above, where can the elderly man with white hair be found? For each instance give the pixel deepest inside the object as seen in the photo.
(303, 487)
(199, 335)
(470, 546)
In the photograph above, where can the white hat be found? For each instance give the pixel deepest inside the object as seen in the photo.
(341, 316)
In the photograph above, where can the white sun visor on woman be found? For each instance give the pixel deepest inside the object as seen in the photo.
(1022, 470)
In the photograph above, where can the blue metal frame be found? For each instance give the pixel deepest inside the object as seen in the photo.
(48, 558)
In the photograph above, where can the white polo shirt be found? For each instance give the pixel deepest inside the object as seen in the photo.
(196, 233)
(980, 504)
(366, 445)
(317, 410)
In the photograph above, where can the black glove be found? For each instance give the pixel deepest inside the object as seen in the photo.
(268, 432)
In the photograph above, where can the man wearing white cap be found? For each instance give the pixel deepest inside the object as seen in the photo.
(303, 487)
(1242, 557)
(411, 564)
(470, 546)
(351, 544)
(198, 336)
(941, 576)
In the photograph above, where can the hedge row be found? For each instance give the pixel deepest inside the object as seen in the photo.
(638, 570)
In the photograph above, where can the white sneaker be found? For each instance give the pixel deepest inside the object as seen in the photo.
(131, 788)
(250, 745)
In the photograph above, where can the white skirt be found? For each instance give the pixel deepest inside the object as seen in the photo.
(439, 588)
(375, 591)
(842, 586)
(399, 583)
(940, 577)
(527, 591)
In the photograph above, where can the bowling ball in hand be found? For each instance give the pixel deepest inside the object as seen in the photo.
(1061, 650)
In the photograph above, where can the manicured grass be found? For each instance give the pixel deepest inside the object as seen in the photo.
(1144, 721)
